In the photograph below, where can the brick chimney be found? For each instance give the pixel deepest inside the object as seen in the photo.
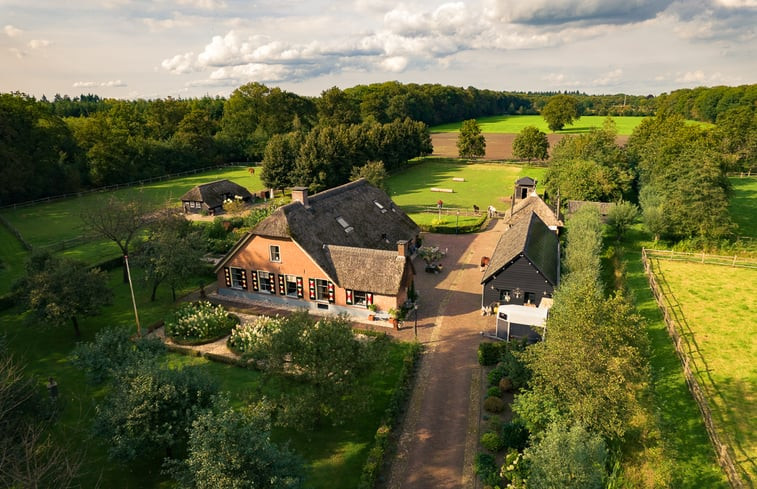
(402, 247)
(300, 194)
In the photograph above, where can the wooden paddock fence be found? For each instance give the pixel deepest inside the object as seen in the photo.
(674, 323)
(723, 260)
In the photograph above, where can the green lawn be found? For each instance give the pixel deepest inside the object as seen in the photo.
(513, 124)
(687, 459)
(52, 222)
(722, 327)
(12, 258)
(744, 205)
(335, 456)
(485, 184)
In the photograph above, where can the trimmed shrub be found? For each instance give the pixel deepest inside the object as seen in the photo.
(493, 391)
(488, 353)
(198, 322)
(494, 404)
(492, 442)
(496, 374)
(505, 384)
(515, 435)
(485, 468)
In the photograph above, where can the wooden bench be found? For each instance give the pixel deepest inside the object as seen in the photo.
(447, 190)
(458, 179)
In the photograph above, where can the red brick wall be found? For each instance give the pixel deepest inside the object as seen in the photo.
(255, 255)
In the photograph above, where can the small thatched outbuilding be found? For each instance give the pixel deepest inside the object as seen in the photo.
(209, 197)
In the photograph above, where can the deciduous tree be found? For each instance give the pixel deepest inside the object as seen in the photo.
(471, 142)
(561, 110)
(531, 144)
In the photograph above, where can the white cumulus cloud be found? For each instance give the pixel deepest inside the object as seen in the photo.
(38, 43)
(12, 31)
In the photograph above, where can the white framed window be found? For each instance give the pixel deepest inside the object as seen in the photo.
(265, 283)
(291, 286)
(360, 297)
(238, 278)
(321, 289)
(275, 253)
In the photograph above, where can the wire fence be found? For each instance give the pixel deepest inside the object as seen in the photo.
(687, 352)
(723, 260)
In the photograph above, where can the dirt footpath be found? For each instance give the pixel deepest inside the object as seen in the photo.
(439, 436)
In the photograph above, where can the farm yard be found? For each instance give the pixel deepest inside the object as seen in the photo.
(720, 328)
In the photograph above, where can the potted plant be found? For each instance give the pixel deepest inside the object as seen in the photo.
(372, 314)
(395, 316)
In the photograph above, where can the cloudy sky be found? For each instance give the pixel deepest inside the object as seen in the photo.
(187, 48)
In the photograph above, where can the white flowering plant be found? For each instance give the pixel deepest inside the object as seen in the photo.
(200, 321)
(256, 335)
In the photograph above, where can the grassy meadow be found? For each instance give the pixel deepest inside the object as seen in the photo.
(513, 124)
(743, 205)
(721, 326)
(484, 184)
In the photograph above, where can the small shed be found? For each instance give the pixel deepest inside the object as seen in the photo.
(209, 197)
(524, 187)
(519, 322)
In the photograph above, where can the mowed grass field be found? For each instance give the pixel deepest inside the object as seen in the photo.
(719, 305)
(484, 184)
(743, 206)
(51, 223)
(513, 124)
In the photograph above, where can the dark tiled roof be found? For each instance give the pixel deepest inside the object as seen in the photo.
(214, 193)
(526, 181)
(534, 240)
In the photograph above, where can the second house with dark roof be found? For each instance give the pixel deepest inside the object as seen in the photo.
(341, 250)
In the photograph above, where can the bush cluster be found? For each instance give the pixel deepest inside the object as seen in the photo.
(494, 404)
(251, 337)
(199, 322)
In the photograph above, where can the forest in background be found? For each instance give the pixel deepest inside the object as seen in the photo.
(63, 145)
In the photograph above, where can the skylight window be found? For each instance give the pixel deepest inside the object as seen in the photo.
(344, 224)
(379, 206)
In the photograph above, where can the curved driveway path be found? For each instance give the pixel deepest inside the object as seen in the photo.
(439, 435)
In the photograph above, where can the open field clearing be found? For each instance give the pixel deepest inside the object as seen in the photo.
(719, 307)
(515, 123)
(744, 206)
(484, 184)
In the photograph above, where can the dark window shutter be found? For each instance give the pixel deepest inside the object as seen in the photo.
(255, 285)
(349, 296)
(300, 293)
(331, 293)
(244, 279)
(227, 276)
(311, 286)
(282, 285)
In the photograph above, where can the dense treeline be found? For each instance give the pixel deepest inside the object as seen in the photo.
(50, 147)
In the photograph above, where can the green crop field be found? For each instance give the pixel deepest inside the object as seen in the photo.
(484, 184)
(719, 305)
(513, 124)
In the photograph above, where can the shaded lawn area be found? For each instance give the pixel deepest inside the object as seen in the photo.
(52, 222)
(335, 455)
(513, 124)
(485, 184)
(722, 328)
(12, 260)
(743, 205)
(688, 456)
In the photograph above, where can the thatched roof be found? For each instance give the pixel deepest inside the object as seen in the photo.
(214, 193)
(379, 271)
(532, 239)
(533, 203)
(355, 216)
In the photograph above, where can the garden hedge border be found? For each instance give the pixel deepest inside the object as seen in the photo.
(392, 416)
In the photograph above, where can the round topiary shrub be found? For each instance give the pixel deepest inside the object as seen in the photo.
(492, 442)
(505, 384)
(515, 435)
(199, 322)
(493, 391)
(494, 404)
(496, 374)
